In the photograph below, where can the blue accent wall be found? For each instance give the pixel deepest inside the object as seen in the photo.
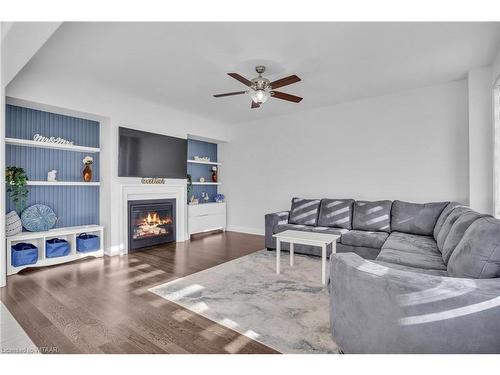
(74, 205)
(200, 148)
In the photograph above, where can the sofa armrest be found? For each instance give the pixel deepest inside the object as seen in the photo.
(378, 309)
(271, 222)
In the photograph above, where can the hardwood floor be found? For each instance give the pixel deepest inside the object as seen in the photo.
(103, 305)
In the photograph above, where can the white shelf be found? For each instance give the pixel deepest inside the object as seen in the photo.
(39, 238)
(63, 183)
(55, 232)
(206, 183)
(204, 162)
(55, 146)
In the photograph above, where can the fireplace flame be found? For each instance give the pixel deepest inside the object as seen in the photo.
(153, 220)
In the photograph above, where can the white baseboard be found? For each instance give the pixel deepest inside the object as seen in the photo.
(235, 228)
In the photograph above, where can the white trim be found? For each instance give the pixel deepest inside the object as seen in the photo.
(63, 183)
(496, 148)
(204, 162)
(206, 183)
(55, 146)
(235, 228)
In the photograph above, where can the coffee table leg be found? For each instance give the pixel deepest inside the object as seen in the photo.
(278, 246)
(323, 263)
(291, 254)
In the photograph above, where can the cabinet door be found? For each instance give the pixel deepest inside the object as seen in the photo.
(205, 223)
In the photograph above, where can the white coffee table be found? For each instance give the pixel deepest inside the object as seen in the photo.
(306, 238)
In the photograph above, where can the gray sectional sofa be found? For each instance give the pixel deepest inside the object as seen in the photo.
(407, 277)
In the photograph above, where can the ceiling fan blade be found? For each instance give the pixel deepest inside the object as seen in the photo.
(243, 80)
(285, 81)
(229, 94)
(282, 95)
(255, 105)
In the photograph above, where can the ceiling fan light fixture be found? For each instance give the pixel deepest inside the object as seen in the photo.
(260, 96)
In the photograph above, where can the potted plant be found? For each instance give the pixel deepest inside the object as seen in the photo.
(17, 189)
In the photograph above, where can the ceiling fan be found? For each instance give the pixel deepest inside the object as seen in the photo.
(261, 89)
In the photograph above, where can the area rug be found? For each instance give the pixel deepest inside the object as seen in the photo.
(287, 312)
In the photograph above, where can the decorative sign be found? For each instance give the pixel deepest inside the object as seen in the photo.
(153, 180)
(58, 140)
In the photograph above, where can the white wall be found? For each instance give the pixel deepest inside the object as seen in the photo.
(114, 109)
(411, 146)
(20, 42)
(480, 139)
(3, 261)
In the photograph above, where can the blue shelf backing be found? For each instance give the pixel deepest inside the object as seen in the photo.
(74, 205)
(200, 148)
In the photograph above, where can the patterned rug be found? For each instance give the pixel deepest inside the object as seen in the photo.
(287, 312)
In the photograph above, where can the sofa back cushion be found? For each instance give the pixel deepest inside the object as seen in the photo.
(304, 211)
(448, 223)
(444, 215)
(477, 255)
(373, 216)
(415, 218)
(456, 233)
(336, 213)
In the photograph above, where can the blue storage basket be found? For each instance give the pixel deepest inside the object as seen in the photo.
(56, 247)
(23, 254)
(86, 243)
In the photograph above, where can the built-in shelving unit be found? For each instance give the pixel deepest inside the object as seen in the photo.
(38, 239)
(63, 183)
(206, 183)
(204, 162)
(54, 146)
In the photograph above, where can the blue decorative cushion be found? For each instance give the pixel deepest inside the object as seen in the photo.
(38, 218)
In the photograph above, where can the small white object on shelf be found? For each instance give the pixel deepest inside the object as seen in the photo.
(52, 176)
(56, 146)
(39, 238)
(58, 140)
(202, 158)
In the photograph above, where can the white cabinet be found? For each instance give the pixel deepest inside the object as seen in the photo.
(205, 217)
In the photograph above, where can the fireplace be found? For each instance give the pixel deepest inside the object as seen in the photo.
(150, 222)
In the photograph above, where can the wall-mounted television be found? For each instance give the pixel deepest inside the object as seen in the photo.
(143, 154)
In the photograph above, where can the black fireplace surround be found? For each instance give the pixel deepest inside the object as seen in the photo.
(150, 222)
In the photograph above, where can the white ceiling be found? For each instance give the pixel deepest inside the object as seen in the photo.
(183, 64)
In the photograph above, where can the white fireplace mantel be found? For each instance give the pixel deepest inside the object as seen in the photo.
(171, 189)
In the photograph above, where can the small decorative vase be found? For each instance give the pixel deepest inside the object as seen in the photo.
(214, 176)
(87, 173)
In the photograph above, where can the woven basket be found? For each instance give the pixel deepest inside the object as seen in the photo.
(13, 224)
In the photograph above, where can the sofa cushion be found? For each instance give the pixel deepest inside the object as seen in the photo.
(412, 269)
(304, 211)
(448, 223)
(413, 243)
(336, 213)
(299, 227)
(372, 216)
(443, 216)
(457, 231)
(364, 238)
(411, 259)
(478, 253)
(328, 230)
(415, 218)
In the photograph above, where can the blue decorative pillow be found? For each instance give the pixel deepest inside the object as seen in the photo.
(38, 218)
